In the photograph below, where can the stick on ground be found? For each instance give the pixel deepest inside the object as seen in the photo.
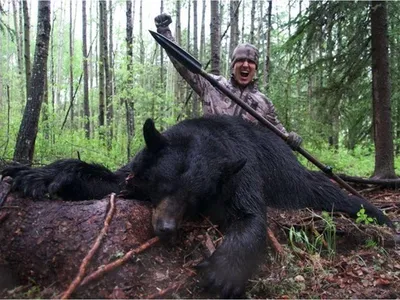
(111, 266)
(277, 247)
(174, 287)
(82, 269)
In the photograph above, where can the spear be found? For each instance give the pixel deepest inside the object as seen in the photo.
(193, 65)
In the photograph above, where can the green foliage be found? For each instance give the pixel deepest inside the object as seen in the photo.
(363, 218)
(370, 243)
(116, 255)
(316, 242)
(320, 83)
(329, 233)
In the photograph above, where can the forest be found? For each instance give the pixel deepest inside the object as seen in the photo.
(78, 79)
(105, 75)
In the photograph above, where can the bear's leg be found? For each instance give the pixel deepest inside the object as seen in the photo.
(13, 170)
(70, 179)
(233, 263)
(81, 186)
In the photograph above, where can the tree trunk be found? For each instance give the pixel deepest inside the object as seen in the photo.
(384, 157)
(188, 90)
(86, 110)
(333, 117)
(215, 38)
(234, 19)
(163, 84)
(92, 66)
(108, 87)
(113, 85)
(129, 103)
(102, 8)
(19, 43)
(111, 51)
(18, 37)
(45, 111)
(141, 56)
(243, 21)
(71, 62)
(113, 122)
(25, 146)
(195, 101)
(53, 76)
(27, 45)
(268, 50)
(60, 57)
(252, 22)
(202, 32)
(179, 81)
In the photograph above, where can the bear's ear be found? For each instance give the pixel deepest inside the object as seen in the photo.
(230, 168)
(153, 138)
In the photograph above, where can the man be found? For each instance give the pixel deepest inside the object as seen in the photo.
(244, 64)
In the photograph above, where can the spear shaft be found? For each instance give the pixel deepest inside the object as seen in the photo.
(193, 65)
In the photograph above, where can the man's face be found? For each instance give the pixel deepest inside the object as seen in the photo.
(244, 71)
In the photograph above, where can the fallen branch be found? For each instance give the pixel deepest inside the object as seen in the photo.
(394, 183)
(82, 269)
(174, 287)
(276, 245)
(111, 266)
(213, 226)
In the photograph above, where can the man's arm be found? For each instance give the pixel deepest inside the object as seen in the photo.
(198, 83)
(294, 140)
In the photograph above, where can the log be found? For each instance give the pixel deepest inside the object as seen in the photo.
(389, 183)
(43, 243)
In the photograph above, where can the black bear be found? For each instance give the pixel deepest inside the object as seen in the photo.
(69, 179)
(223, 167)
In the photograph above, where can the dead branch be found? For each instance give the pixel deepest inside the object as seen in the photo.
(82, 269)
(174, 287)
(213, 225)
(276, 245)
(111, 266)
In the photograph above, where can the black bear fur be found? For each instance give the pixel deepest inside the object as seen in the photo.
(69, 179)
(223, 167)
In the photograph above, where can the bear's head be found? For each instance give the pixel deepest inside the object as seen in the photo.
(181, 172)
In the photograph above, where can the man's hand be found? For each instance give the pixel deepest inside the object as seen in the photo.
(163, 20)
(294, 140)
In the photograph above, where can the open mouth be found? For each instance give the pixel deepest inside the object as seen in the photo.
(244, 74)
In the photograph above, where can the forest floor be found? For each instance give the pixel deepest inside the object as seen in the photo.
(322, 257)
(365, 263)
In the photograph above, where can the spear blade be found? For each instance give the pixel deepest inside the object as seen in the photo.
(178, 53)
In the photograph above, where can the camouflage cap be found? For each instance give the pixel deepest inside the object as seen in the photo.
(245, 51)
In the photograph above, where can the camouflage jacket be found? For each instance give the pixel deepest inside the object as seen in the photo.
(216, 103)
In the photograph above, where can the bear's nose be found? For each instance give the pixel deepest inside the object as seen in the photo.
(165, 227)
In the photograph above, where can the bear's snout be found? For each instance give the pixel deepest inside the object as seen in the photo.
(167, 217)
(165, 228)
